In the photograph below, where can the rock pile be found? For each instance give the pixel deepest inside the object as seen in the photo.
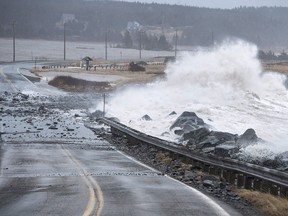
(186, 173)
(197, 136)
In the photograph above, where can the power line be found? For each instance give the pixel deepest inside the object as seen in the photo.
(140, 44)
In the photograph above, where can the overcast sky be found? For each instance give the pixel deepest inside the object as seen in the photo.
(220, 3)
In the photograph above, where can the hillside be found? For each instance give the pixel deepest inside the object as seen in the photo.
(89, 20)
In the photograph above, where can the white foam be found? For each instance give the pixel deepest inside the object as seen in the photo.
(226, 87)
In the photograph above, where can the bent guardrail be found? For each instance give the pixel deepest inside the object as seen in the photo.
(241, 174)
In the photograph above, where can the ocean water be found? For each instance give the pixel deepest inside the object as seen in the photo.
(225, 86)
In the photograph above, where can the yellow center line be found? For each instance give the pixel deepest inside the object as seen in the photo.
(99, 196)
(92, 184)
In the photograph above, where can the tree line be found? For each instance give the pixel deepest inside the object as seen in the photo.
(269, 55)
(144, 41)
(266, 26)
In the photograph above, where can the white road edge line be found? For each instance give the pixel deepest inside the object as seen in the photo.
(137, 161)
(218, 209)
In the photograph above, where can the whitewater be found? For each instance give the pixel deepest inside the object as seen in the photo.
(225, 86)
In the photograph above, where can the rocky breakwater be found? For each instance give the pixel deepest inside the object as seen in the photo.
(197, 136)
(165, 162)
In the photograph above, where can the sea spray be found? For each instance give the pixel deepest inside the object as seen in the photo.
(226, 87)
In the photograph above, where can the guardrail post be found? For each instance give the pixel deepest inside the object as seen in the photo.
(232, 177)
(218, 172)
(174, 156)
(274, 190)
(206, 168)
(196, 164)
(212, 170)
(266, 186)
(248, 182)
(240, 180)
(284, 192)
(187, 160)
(257, 184)
(226, 175)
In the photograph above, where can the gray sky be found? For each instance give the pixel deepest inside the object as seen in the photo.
(219, 3)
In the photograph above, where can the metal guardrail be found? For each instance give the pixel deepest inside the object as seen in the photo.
(274, 177)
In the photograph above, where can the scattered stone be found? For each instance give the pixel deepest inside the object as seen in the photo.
(187, 121)
(195, 136)
(249, 137)
(165, 133)
(226, 149)
(97, 114)
(172, 113)
(42, 109)
(215, 138)
(53, 127)
(209, 183)
(146, 118)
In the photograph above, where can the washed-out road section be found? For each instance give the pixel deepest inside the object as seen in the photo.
(51, 164)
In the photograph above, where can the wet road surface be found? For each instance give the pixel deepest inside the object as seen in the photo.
(51, 164)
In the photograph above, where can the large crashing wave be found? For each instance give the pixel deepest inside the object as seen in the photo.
(225, 87)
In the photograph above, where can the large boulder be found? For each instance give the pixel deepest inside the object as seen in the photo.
(227, 149)
(249, 137)
(96, 114)
(216, 138)
(172, 113)
(187, 121)
(146, 118)
(195, 136)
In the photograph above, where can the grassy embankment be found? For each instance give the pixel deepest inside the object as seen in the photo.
(277, 67)
(268, 204)
(151, 73)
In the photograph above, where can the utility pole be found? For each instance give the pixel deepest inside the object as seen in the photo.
(212, 38)
(258, 41)
(176, 42)
(140, 44)
(104, 102)
(13, 26)
(106, 40)
(64, 41)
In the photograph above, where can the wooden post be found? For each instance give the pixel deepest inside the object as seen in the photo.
(240, 181)
(248, 182)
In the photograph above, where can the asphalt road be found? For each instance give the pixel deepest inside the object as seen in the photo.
(51, 164)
